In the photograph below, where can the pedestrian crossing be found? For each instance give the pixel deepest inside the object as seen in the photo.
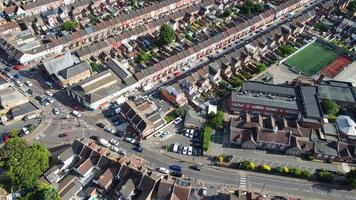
(243, 182)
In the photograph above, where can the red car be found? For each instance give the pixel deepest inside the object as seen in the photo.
(63, 135)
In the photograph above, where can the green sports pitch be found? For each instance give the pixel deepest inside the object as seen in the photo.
(311, 59)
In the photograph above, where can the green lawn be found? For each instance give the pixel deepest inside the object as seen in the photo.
(311, 59)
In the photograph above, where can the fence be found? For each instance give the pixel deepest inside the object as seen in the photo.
(300, 49)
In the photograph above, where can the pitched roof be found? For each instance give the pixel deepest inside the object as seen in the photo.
(74, 70)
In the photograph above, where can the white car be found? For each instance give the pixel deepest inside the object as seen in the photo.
(163, 170)
(110, 130)
(185, 150)
(122, 152)
(76, 113)
(114, 148)
(190, 135)
(159, 133)
(56, 111)
(190, 150)
(186, 133)
(18, 83)
(204, 191)
(191, 131)
(49, 93)
(25, 131)
(178, 120)
(50, 99)
(114, 142)
(28, 83)
(130, 140)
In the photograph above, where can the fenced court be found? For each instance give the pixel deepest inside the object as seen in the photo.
(311, 59)
(336, 66)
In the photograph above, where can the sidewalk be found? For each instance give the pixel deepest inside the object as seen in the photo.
(41, 127)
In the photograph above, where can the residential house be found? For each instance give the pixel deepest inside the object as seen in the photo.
(174, 95)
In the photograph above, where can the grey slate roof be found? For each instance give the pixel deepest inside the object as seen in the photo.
(310, 102)
(326, 148)
(57, 64)
(74, 70)
(268, 88)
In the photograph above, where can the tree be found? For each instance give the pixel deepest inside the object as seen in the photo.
(12, 147)
(42, 192)
(26, 165)
(329, 107)
(226, 13)
(217, 120)
(351, 177)
(306, 174)
(219, 159)
(237, 82)
(94, 67)
(144, 57)
(296, 172)
(287, 49)
(134, 3)
(352, 7)
(166, 34)
(14, 133)
(31, 128)
(69, 25)
(261, 67)
(180, 112)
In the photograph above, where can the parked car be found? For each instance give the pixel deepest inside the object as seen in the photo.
(180, 148)
(175, 168)
(104, 142)
(108, 129)
(190, 135)
(50, 100)
(18, 83)
(129, 140)
(195, 167)
(30, 92)
(138, 148)
(163, 170)
(190, 150)
(228, 158)
(62, 135)
(114, 148)
(186, 133)
(164, 134)
(204, 191)
(178, 120)
(28, 83)
(175, 147)
(17, 76)
(101, 125)
(114, 142)
(49, 93)
(115, 119)
(94, 137)
(122, 151)
(76, 113)
(177, 173)
(55, 111)
(116, 123)
(158, 134)
(25, 131)
(185, 150)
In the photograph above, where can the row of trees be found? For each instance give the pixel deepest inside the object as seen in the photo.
(24, 164)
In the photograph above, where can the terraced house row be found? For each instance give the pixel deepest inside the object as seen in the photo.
(92, 33)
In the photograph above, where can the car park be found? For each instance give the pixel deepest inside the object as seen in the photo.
(116, 123)
(175, 147)
(17, 76)
(114, 142)
(186, 133)
(62, 135)
(163, 170)
(44, 102)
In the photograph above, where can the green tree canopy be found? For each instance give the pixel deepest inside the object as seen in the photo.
(166, 34)
(144, 57)
(226, 13)
(217, 120)
(69, 25)
(352, 7)
(250, 7)
(42, 192)
(14, 133)
(25, 163)
(94, 67)
(325, 176)
(329, 107)
(351, 177)
(261, 67)
(237, 81)
(180, 112)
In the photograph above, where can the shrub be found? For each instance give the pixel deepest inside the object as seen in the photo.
(296, 172)
(306, 174)
(206, 139)
(325, 176)
(248, 165)
(279, 169)
(311, 157)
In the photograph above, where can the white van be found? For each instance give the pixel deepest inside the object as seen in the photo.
(175, 147)
(104, 142)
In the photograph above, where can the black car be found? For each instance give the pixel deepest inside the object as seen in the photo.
(115, 119)
(30, 92)
(177, 173)
(137, 143)
(228, 158)
(101, 125)
(195, 167)
(138, 148)
(94, 137)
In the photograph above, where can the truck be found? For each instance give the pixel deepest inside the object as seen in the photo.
(104, 143)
